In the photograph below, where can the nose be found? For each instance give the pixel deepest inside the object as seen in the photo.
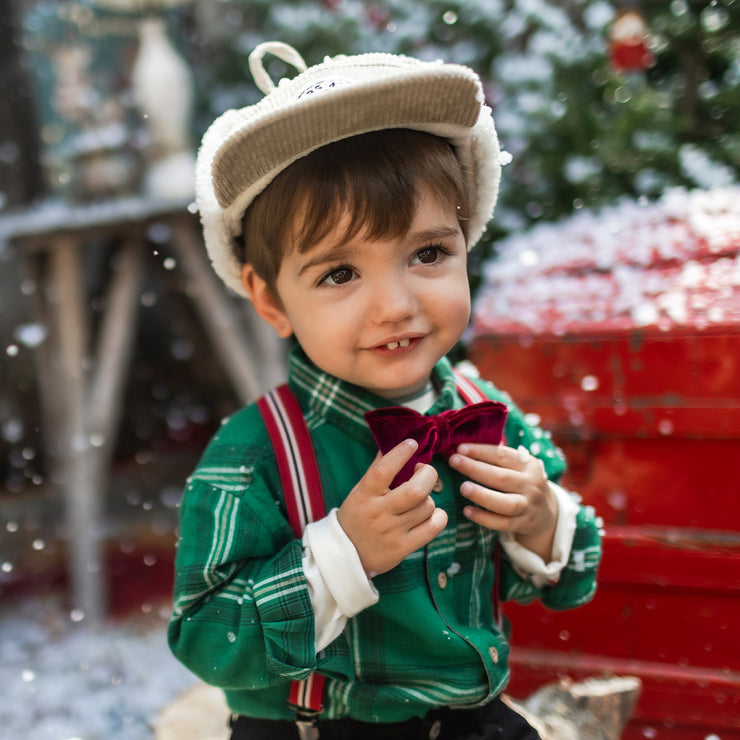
(391, 299)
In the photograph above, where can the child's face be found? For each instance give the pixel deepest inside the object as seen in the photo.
(376, 313)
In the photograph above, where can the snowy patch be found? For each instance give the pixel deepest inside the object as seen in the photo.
(668, 264)
(63, 680)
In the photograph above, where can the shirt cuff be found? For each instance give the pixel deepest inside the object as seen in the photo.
(530, 565)
(337, 584)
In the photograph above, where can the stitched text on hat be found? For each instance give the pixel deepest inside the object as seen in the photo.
(323, 86)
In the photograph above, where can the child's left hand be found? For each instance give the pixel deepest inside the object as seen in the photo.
(511, 493)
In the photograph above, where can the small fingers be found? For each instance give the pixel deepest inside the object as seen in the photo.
(384, 469)
(489, 520)
(419, 514)
(499, 455)
(424, 532)
(487, 473)
(500, 468)
(415, 491)
(503, 504)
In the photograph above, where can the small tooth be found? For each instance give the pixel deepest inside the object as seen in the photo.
(392, 345)
(404, 342)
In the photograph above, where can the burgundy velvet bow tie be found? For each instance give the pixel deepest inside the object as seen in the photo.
(479, 422)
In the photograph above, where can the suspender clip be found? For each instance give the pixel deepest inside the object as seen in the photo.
(306, 724)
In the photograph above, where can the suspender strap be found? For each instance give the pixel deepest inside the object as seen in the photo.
(299, 471)
(307, 696)
(470, 393)
(299, 476)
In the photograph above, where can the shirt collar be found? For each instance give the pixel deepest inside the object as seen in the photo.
(325, 398)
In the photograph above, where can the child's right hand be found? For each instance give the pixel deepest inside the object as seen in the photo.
(385, 525)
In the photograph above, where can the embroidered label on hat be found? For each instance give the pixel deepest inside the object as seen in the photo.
(324, 86)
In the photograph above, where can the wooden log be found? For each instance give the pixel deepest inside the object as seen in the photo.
(594, 709)
(198, 713)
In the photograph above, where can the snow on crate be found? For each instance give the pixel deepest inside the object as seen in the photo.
(669, 264)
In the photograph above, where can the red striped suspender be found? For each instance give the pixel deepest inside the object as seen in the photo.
(299, 472)
(299, 475)
(470, 393)
(307, 696)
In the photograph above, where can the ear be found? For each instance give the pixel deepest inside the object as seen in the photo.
(266, 304)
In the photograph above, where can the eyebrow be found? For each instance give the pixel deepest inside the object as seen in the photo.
(324, 257)
(343, 252)
(440, 232)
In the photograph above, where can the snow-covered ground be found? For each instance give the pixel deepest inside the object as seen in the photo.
(63, 680)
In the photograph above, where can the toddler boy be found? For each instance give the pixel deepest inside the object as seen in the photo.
(343, 205)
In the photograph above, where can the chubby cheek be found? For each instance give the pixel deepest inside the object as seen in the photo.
(325, 335)
(453, 308)
(464, 305)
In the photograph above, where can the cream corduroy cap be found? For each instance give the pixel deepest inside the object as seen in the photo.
(244, 150)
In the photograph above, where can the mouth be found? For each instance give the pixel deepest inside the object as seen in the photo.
(397, 346)
(400, 343)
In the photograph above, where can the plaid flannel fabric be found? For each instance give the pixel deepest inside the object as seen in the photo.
(243, 618)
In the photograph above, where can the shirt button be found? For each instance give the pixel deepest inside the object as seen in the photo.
(435, 729)
(442, 580)
(494, 654)
(438, 486)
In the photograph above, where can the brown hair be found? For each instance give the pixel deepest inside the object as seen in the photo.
(376, 177)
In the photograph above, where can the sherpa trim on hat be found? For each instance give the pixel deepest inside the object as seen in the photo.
(244, 150)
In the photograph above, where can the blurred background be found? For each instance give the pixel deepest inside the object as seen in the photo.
(120, 358)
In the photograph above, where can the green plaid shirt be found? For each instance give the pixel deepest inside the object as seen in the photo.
(243, 618)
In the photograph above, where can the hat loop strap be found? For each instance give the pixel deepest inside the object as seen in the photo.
(283, 51)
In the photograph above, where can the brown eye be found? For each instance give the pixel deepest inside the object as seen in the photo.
(428, 255)
(339, 276)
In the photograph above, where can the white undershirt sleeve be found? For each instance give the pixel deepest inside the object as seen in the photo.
(532, 566)
(337, 584)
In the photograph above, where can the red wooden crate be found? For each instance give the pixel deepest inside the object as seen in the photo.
(648, 415)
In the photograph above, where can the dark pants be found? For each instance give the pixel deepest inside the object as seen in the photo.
(495, 721)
